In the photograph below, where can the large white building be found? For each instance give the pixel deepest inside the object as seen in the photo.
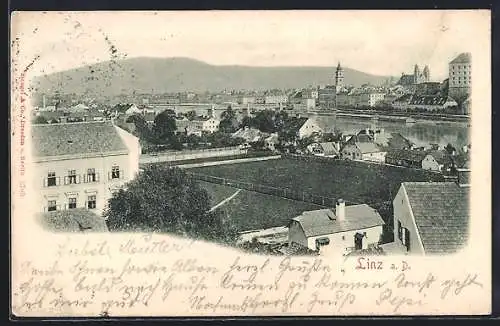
(460, 71)
(80, 165)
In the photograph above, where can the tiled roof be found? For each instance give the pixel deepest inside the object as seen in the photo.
(368, 147)
(441, 212)
(403, 98)
(428, 100)
(392, 140)
(329, 148)
(441, 156)
(410, 155)
(294, 124)
(76, 138)
(462, 58)
(323, 221)
(250, 134)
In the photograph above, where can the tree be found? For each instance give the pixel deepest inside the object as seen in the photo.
(40, 120)
(163, 199)
(246, 122)
(264, 121)
(142, 129)
(450, 149)
(191, 115)
(228, 121)
(164, 127)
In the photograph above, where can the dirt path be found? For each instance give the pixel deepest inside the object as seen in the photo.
(225, 200)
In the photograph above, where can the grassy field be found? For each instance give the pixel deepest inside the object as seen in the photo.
(251, 210)
(353, 181)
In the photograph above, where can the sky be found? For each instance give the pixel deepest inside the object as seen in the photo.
(376, 42)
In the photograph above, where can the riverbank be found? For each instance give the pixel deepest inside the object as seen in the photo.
(396, 116)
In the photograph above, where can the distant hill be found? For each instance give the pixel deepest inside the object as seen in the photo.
(165, 75)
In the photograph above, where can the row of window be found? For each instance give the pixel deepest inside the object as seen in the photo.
(73, 178)
(91, 203)
(459, 67)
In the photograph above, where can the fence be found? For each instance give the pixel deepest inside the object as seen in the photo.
(185, 155)
(293, 194)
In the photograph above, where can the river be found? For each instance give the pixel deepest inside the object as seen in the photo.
(422, 132)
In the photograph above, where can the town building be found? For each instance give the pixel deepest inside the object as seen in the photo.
(198, 126)
(249, 134)
(316, 125)
(428, 88)
(345, 99)
(407, 158)
(365, 151)
(327, 97)
(392, 140)
(432, 217)
(326, 149)
(460, 79)
(343, 229)
(302, 99)
(271, 142)
(368, 98)
(80, 165)
(276, 99)
(437, 160)
(459, 71)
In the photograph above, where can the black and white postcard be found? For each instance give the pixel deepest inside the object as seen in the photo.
(250, 163)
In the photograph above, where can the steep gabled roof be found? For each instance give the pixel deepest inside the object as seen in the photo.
(441, 212)
(76, 138)
(368, 148)
(462, 58)
(329, 148)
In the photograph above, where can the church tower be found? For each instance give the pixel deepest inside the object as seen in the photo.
(339, 78)
(416, 75)
(427, 74)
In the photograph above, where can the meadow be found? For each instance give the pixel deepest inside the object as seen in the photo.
(252, 210)
(355, 182)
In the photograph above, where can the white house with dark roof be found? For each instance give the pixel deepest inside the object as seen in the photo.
(80, 165)
(365, 151)
(432, 217)
(197, 126)
(342, 230)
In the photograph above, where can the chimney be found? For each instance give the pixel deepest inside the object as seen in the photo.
(463, 177)
(85, 118)
(44, 101)
(63, 119)
(340, 210)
